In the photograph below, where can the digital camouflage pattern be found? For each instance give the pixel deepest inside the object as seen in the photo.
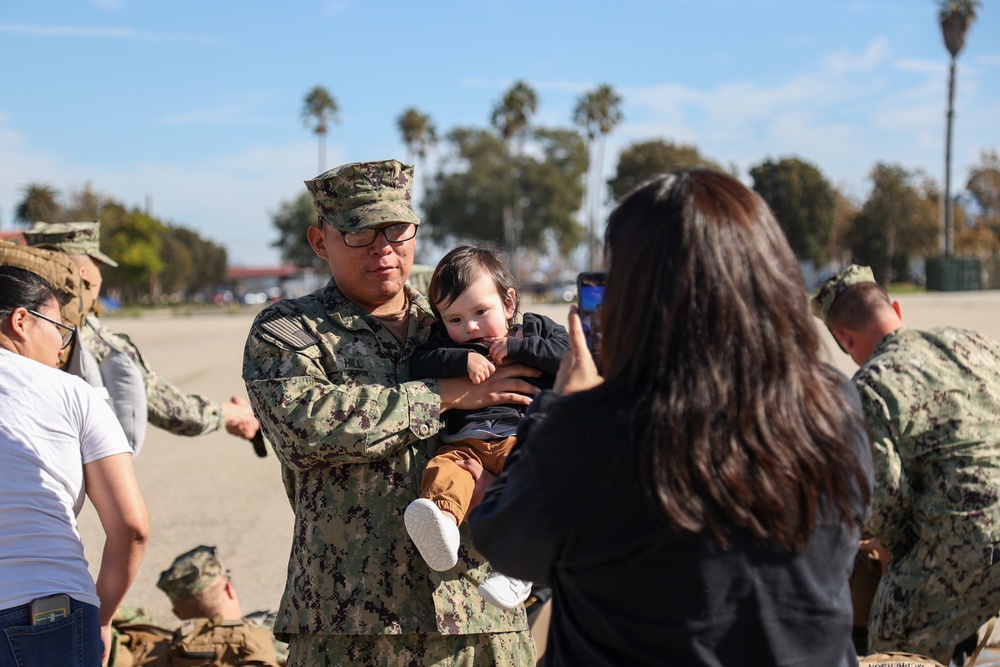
(169, 408)
(837, 285)
(192, 571)
(502, 649)
(932, 403)
(364, 194)
(72, 238)
(353, 432)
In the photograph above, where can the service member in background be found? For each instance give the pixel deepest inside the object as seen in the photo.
(932, 402)
(214, 631)
(137, 393)
(328, 375)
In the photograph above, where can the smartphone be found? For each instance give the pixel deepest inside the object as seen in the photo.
(48, 609)
(590, 292)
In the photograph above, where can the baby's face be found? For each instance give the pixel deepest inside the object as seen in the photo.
(479, 313)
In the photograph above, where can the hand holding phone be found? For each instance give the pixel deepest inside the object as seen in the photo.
(590, 292)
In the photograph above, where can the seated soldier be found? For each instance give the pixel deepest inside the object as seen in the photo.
(214, 631)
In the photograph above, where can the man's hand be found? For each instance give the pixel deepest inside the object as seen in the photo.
(239, 418)
(577, 371)
(883, 554)
(479, 367)
(504, 386)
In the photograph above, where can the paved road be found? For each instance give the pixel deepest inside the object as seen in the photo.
(214, 490)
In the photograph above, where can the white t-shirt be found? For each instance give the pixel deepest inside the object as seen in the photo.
(51, 424)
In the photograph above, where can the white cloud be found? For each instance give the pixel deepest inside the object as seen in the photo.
(928, 67)
(844, 62)
(990, 60)
(108, 32)
(335, 7)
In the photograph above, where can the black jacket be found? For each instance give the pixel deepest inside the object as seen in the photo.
(569, 511)
(541, 345)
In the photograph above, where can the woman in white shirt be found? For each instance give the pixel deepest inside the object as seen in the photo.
(59, 440)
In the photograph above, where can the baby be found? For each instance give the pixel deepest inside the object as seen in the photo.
(475, 297)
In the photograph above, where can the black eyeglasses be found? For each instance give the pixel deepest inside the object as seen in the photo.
(397, 233)
(67, 332)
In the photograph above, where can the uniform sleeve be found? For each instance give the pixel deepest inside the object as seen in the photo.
(313, 420)
(543, 345)
(892, 499)
(168, 407)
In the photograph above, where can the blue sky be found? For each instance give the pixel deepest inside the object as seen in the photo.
(195, 107)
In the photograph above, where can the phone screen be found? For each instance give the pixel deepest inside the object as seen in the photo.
(590, 290)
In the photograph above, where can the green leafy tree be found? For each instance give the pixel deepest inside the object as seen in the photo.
(38, 204)
(597, 112)
(467, 198)
(191, 264)
(955, 16)
(292, 220)
(897, 222)
(133, 239)
(844, 212)
(984, 187)
(803, 203)
(86, 204)
(641, 161)
(319, 109)
(511, 118)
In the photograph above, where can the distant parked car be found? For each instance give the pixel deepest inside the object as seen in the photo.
(564, 290)
(109, 304)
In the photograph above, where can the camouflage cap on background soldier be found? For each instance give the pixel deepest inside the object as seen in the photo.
(364, 194)
(72, 238)
(832, 288)
(191, 572)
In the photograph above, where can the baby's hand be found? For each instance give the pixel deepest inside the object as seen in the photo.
(498, 351)
(480, 367)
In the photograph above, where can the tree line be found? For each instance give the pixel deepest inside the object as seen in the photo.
(154, 258)
(526, 188)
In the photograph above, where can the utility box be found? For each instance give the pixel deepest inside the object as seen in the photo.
(953, 274)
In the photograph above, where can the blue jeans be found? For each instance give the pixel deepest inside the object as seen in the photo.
(74, 641)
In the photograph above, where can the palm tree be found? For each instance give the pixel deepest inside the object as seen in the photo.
(418, 131)
(38, 203)
(511, 117)
(597, 112)
(419, 134)
(956, 16)
(318, 110)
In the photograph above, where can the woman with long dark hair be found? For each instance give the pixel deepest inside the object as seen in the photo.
(59, 440)
(701, 505)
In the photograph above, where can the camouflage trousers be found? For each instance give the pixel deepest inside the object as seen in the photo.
(925, 604)
(504, 649)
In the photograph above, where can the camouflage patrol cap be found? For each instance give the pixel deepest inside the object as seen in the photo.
(364, 194)
(830, 290)
(191, 572)
(72, 238)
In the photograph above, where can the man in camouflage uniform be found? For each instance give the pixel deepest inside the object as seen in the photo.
(328, 375)
(932, 402)
(168, 407)
(214, 631)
